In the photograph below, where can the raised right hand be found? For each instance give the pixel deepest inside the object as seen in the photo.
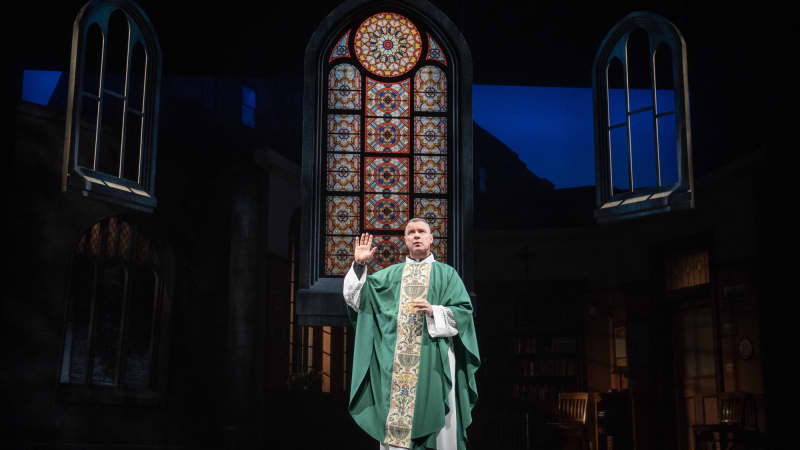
(362, 249)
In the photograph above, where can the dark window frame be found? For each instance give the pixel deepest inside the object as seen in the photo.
(89, 181)
(86, 391)
(614, 206)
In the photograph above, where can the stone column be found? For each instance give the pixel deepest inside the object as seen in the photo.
(244, 290)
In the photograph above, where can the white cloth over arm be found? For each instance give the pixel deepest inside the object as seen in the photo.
(352, 286)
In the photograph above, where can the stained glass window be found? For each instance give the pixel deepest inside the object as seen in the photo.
(387, 140)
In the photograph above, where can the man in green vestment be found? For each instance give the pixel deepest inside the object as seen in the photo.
(416, 353)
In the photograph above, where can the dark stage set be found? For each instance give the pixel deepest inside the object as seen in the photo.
(176, 275)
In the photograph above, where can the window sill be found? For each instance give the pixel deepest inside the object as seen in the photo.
(637, 204)
(107, 395)
(106, 188)
(322, 304)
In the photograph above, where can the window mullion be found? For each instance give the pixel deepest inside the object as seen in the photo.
(144, 124)
(98, 132)
(608, 135)
(98, 266)
(159, 293)
(655, 113)
(125, 105)
(126, 286)
(628, 122)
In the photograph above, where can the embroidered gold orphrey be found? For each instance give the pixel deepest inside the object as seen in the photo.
(405, 370)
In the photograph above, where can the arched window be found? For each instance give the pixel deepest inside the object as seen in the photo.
(112, 107)
(643, 155)
(116, 311)
(385, 138)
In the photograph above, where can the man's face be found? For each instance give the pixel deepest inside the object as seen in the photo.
(418, 239)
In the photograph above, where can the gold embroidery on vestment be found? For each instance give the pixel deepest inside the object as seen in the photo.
(405, 370)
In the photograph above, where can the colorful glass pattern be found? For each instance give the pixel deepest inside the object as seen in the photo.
(342, 214)
(344, 133)
(344, 172)
(340, 50)
(389, 249)
(430, 135)
(385, 211)
(386, 174)
(387, 44)
(430, 174)
(439, 249)
(434, 211)
(430, 90)
(387, 99)
(338, 254)
(387, 135)
(372, 130)
(344, 87)
(435, 52)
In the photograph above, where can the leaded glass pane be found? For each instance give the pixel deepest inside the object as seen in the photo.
(387, 99)
(108, 324)
(344, 132)
(138, 362)
(387, 44)
(430, 174)
(386, 174)
(338, 254)
(387, 135)
(385, 211)
(125, 239)
(142, 250)
(439, 249)
(430, 135)
(340, 50)
(435, 52)
(112, 235)
(434, 211)
(342, 214)
(389, 249)
(77, 337)
(377, 171)
(430, 90)
(344, 172)
(94, 239)
(344, 87)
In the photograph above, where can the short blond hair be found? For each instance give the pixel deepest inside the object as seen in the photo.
(418, 219)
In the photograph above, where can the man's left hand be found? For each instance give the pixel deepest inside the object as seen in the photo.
(422, 305)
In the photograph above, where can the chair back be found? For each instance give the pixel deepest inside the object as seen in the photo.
(737, 408)
(572, 406)
(731, 407)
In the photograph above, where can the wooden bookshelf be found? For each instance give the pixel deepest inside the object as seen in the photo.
(544, 365)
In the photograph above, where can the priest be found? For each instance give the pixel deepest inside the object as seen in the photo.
(416, 353)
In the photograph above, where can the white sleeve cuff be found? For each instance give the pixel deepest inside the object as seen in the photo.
(442, 323)
(352, 287)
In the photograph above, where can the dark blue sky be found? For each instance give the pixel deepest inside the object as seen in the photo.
(551, 130)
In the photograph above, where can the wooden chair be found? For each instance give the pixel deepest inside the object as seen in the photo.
(571, 418)
(738, 424)
(737, 409)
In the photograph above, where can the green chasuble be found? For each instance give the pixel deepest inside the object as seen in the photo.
(376, 325)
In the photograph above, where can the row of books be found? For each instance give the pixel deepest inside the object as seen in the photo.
(540, 392)
(555, 367)
(527, 344)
